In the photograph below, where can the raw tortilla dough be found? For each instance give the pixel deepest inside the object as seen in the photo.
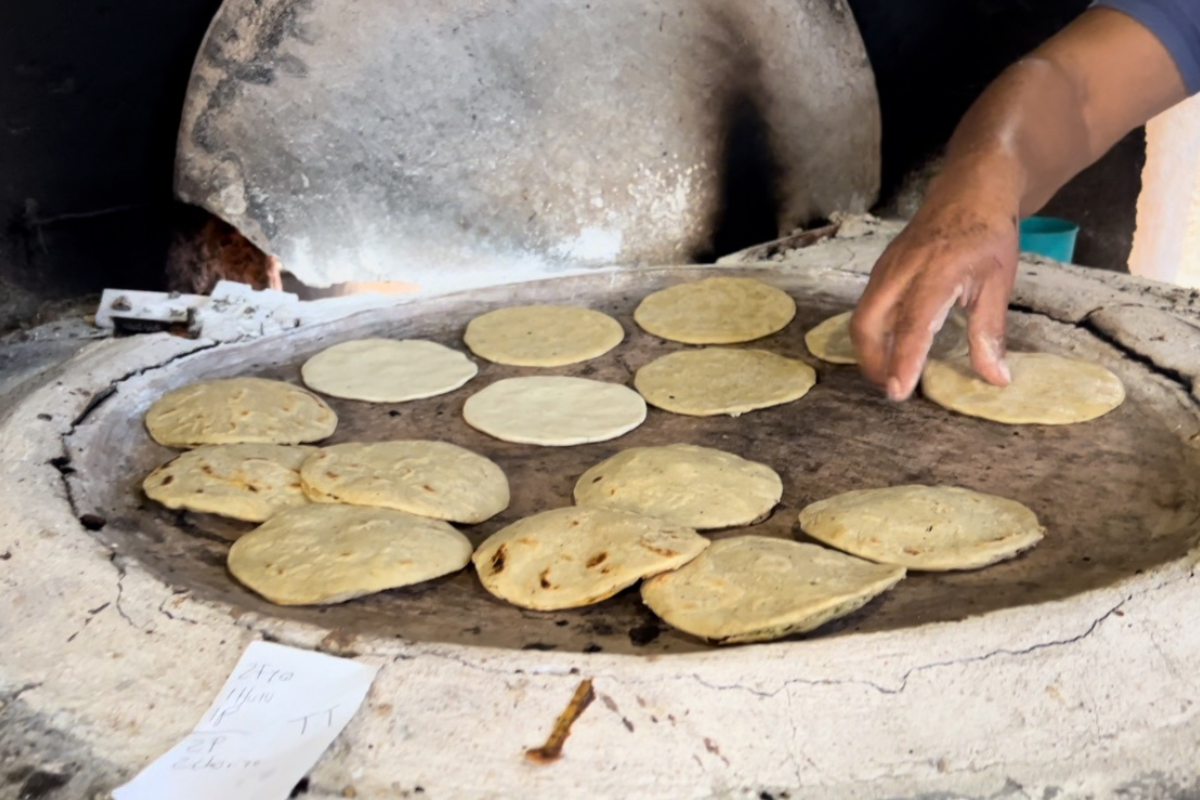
(432, 479)
(722, 380)
(387, 370)
(1045, 390)
(251, 482)
(543, 335)
(931, 528)
(239, 411)
(572, 557)
(554, 410)
(698, 487)
(830, 341)
(755, 588)
(321, 554)
(719, 310)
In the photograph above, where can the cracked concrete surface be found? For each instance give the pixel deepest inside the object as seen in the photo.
(105, 666)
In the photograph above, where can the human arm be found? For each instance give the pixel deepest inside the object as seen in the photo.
(1040, 123)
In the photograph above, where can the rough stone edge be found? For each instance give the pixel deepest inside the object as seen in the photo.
(127, 616)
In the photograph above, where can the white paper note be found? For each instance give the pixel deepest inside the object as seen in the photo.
(274, 717)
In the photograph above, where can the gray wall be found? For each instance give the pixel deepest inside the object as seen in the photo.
(90, 96)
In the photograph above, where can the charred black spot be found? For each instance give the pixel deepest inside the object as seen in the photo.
(41, 784)
(643, 635)
(498, 560)
(93, 522)
(62, 464)
(167, 481)
(597, 560)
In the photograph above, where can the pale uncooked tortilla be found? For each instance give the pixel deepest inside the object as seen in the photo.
(543, 335)
(239, 411)
(1045, 390)
(572, 557)
(931, 528)
(554, 410)
(321, 554)
(432, 479)
(719, 310)
(722, 380)
(755, 588)
(830, 341)
(252, 482)
(387, 370)
(698, 487)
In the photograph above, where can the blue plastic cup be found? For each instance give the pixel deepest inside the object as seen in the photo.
(1050, 237)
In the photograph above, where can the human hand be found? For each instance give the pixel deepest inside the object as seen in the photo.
(964, 253)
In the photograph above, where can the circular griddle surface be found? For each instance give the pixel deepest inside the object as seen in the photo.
(1118, 495)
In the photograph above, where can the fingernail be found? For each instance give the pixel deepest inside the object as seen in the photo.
(1004, 371)
(893, 389)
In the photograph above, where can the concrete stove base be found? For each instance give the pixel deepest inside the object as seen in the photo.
(104, 667)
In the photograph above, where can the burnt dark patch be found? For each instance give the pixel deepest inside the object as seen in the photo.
(643, 635)
(93, 522)
(540, 646)
(167, 481)
(498, 560)
(62, 464)
(40, 784)
(597, 560)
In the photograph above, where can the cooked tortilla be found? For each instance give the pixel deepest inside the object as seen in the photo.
(932, 528)
(239, 411)
(698, 487)
(1045, 390)
(321, 554)
(542, 335)
(432, 479)
(722, 380)
(756, 588)
(717, 310)
(251, 482)
(572, 557)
